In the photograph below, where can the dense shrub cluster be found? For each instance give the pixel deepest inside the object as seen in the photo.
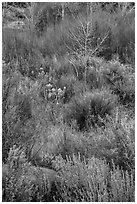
(74, 180)
(115, 36)
(68, 131)
(92, 181)
(89, 108)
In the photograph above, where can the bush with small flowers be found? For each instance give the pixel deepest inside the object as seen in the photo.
(52, 93)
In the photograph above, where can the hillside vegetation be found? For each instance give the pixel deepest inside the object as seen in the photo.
(68, 102)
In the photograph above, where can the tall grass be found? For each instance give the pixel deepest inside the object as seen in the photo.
(77, 180)
(87, 108)
(68, 113)
(93, 182)
(106, 34)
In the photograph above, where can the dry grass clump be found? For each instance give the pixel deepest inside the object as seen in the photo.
(88, 108)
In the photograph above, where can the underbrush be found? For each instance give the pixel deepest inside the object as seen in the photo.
(87, 180)
(92, 181)
(107, 35)
(30, 105)
(89, 108)
(121, 81)
(68, 130)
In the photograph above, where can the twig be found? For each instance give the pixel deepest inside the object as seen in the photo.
(74, 67)
(100, 44)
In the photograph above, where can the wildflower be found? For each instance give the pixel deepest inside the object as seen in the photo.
(42, 72)
(3, 62)
(48, 85)
(50, 95)
(27, 79)
(50, 78)
(53, 90)
(59, 90)
(35, 84)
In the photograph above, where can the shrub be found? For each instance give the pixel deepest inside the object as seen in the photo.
(115, 143)
(92, 181)
(122, 186)
(74, 87)
(80, 181)
(77, 180)
(120, 29)
(121, 81)
(105, 37)
(16, 44)
(9, 116)
(54, 140)
(53, 41)
(66, 108)
(126, 150)
(124, 36)
(62, 66)
(68, 82)
(24, 182)
(94, 79)
(89, 108)
(114, 70)
(18, 121)
(22, 48)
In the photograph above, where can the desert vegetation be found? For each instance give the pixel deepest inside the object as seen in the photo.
(68, 102)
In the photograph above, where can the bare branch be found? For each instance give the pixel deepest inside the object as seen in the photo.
(97, 48)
